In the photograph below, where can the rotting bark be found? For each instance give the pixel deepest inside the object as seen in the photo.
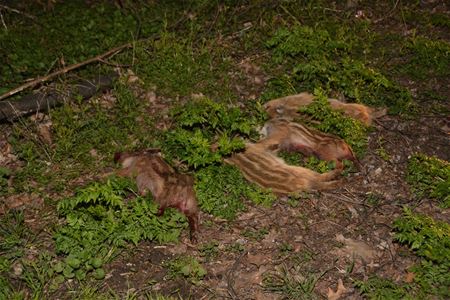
(44, 101)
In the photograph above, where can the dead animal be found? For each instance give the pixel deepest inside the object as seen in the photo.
(168, 188)
(269, 171)
(284, 135)
(287, 107)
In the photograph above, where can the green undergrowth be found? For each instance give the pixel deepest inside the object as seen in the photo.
(222, 189)
(350, 130)
(84, 137)
(312, 162)
(205, 131)
(429, 176)
(24, 273)
(415, 16)
(186, 267)
(294, 279)
(13, 240)
(428, 239)
(313, 57)
(33, 47)
(103, 218)
(178, 67)
(425, 58)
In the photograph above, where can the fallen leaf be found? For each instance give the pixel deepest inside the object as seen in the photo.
(93, 153)
(258, 276)
(353, 211)
(258, 259)
(353, 247)
(410, 277)
(44, 131)
(332, 295)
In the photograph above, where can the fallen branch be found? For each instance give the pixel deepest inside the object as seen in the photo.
(63, 71)
(43, 101)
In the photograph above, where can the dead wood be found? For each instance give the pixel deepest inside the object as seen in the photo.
(43, 101)
(63, 71)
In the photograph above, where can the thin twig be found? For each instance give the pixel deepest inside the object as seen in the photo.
(63, 71)
(230, 276)
(113, 64)
(17, 12)
(388, 15)
(3, 21)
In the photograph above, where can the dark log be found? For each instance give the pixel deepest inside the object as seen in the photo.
(44, 101)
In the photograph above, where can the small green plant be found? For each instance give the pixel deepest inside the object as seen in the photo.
(317, 57)
(172, 54)
(13, 236)
(381, 288)
(430, 240)
(209, 250)
(291, 282)
(352, 131)
(98, 222)
(428, 57)
(235, 248)
(373, 199)
(4, 175)
(256, 235)
(187, 267)
(13, 233)
(206, 131)
(221, 191)
(285, 248)
(430, 177)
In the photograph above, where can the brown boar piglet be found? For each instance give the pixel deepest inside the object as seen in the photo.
(168, 188)
(288, 107)
(282, 134)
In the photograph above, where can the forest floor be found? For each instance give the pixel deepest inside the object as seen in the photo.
(352, 242)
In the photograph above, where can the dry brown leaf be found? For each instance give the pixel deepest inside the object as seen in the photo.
(93, 153)
(358, 248)
(257, 276)
(353, 211)
(44, 131)
(410, 277)
(18, 200)
(196, 96)
(131, 77)
(150, 96)
(258, 259)
(332, 295)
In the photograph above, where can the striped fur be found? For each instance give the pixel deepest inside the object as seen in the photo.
(282, 134)
(168, 188)
(268, 171)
